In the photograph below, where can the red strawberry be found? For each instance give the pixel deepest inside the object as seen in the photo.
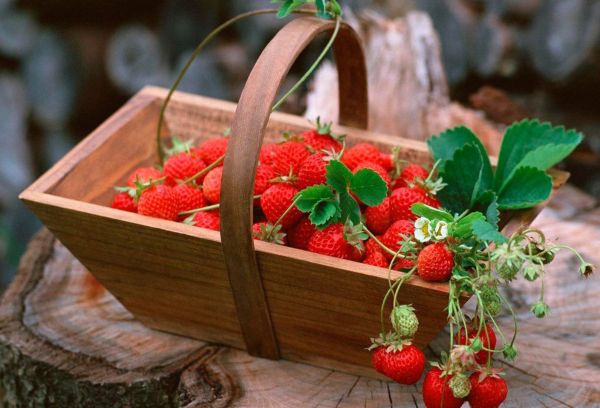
(207, 219)
(374, 254)
(212, 149)
(396, 234)
(488, 392)
(377, 168)
(267, 153)
(289, 157)
(435, 263)
(386, 161)
(264, 231)
(437, 392)
(143, 175)
(262, 181)
(359, 153)
(320, 141)
(299, 235)
(432, 202)
(330, 241)
(405, 366)
(276, 200)
(403, 264)
(182, 166)
(487, 337)
(402, 200)
(212, 185)
(410, 174)
(123, 201)
(189, 197)
(378, 218)
(312, 171)
(159, 201)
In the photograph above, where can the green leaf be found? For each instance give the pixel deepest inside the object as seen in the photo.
(423, 210)
(463, 228)
(338, 175)
(463, 177)
(487, 202)
(530, 143)
(323, 213)
(487, 232)
(526, 188)
(350, 210)
(369, 187)
(444, 146)
(310, 196)
(289, 6)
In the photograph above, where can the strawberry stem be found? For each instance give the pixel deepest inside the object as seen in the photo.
(205, 170)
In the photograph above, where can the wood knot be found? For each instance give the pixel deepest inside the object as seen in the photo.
(594, 359)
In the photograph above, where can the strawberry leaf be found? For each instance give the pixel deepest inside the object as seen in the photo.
(463, 228)
(423, 210)
(308, 198)
(526, 188)
(350, 210)
(369, 187)
(324, 213)
(487, 232)
(338, 175)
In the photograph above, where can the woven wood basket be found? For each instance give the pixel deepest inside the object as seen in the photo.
(274, 301)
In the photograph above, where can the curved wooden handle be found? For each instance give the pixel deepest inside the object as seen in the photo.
(251, 118)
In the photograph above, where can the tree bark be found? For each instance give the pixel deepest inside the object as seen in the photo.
(66, 342)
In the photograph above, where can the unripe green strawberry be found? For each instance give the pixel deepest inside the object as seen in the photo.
(491, 300)
(404, 320)
(460, 386)
(508, 271)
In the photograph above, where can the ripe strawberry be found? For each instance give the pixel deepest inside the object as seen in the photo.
(207, 219)
(123, 201)
(404, 366)
(435, 263)
(289, 157)
(262, 181)
(267, 153)
(212, 185)
(276, 200)
(403, 264)
(386, 161)
(264, 231)
(320, 139)
(159, 201)
(299, 235)
(487, 392)
(374, 254)
(410, 173)
(395, 234)
(331, 241)
(402, 200)
(487, 337)
(378, 218)
(212, 149)
(312, 171)
(377, 168)
(437, 392)
(143, 175)
(189, 197)
(359, 153)
(182, 166)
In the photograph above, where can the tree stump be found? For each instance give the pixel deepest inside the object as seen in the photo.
(66, 342)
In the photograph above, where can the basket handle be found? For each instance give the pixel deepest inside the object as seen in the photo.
(251, 118)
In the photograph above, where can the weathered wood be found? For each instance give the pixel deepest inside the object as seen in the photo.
(65, 341)
(249, 123)
(408, 91)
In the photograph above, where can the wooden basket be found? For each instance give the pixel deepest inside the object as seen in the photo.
(272, 300)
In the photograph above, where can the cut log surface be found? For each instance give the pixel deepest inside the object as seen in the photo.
(66, 342)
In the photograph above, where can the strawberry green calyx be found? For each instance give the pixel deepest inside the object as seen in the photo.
(404, 320)
(269, 233)
(391, 341)
(354, 235)
(178, 146)
(490, 300)
(460, 386)
(540, 309)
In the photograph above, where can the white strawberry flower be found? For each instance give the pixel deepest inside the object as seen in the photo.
(423, 230)
(440, 231)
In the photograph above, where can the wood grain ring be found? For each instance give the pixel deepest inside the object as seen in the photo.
(251, 118)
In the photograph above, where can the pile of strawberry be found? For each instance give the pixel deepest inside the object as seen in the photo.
(187, 189)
